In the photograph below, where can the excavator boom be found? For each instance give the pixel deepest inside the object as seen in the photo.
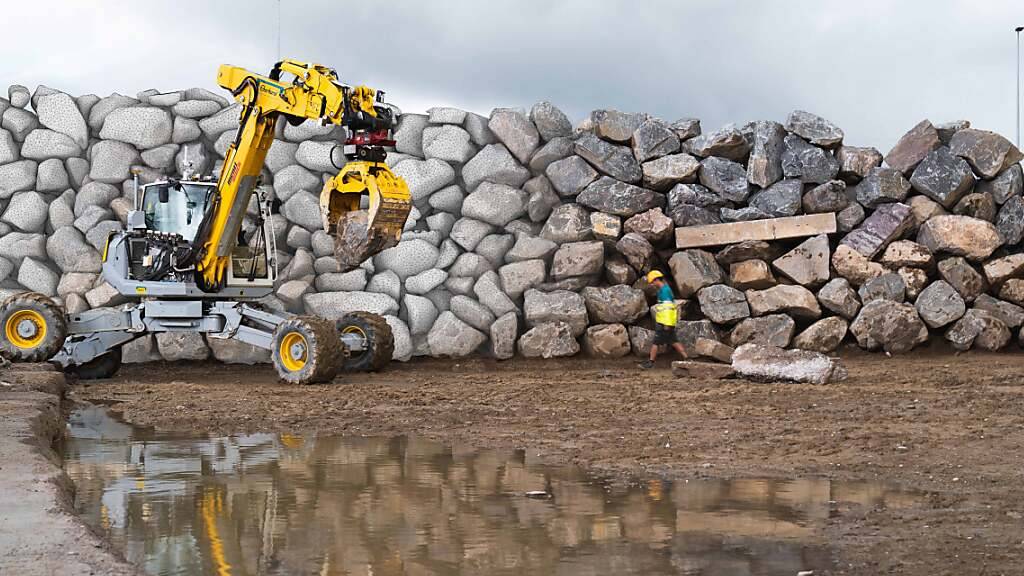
(314, 93)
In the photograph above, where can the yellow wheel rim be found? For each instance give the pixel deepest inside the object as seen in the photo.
(352, 329)
(293, 351)
(26, 329)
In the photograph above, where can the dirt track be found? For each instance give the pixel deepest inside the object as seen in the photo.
(949, 425)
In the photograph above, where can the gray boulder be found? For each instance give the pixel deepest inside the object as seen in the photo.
(615, 125)
(178, 346)
(839, 297)
(663, 173)
(772, 363)
(806, 264)
(567, 223)
(888, 286)
(654, 139)
(1010, 220)
(615, 304)
(334, 305)
(453, 338)
(615, 161)
(652, 225)
(529, 248)
(41, 144)
(796, 301)
(141, 126)
(1011, 314)
(637, 251)
(727, 143)
(408, 258)
(613, 197)
(1007, 184)
(571, 175)
(882, 185)
(27, 211)
(764, 167)
(962, 277)
(409, 134)
(15, 246)
(828, 197)
(111, 161)
(978, 329)
(693, 270)
(472, 312)
(425, 281)
(912, 147)
(848, 218)
(489, 293)
(504, 332)
(723, 304)
(577, 259)
(686, 128)
(557, 306)
(447, 142)
(424, 177)
(67, 249)
(494, 164)
(419, 313)
(814, 129)
(495, 204)
(823, 336)
(518, 277)
(516, 132)
(806, 162)
(467, 232)
(781, 199)
(772, 330)
(38, 277)
(549, 340)
(542, 199)
(726, 178)
(987, 152)
(557, 149)
(58, 111)
(892, 326)
(940, 304)
(19, 123)
(942, 177)
(551, 122)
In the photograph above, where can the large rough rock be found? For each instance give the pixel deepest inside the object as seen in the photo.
(58, 111)
(567, 223)
(823, 336)
(726, 178)
(489, 292)
(555, 150)
(41, 144)
(232, 351)
(999, 270)
(503, 334)
(727, 142)
(654, 139)
(111, 161)
(516, 132)
(494, 164)
(837, 296)
(940, 304)
(551, 122)
(854, 266)
(549, 340)
(472, 312)
(141, 126)
(518, 277)
(808, 263)
(409, 134)
(889, 222)
(637, 251)
(796, 301)
(987, 152)
(1007, 184)
(556, 306)
(496, 204)
(772, 330)
(665, 172)
(652, 225)
(814, 129)
(36, 276)
(1011, 314)
(979, 329)
(615, 304)
(723, 304)
(764, 167)
(808, 163)
(855, 163)
(424, 177)
(772, 363)
(577, 259)
(693, 270)
(882, 185)
(751, 274)
(613, 197)
(892, 326)
(976, 205)
(888, 286)
(27, 211)
(1010, 220)
(615, 125)
(828, 197)
(962, 277)
(907, 253)
(912, 147)
(606, 341)
(175, 346)
(447, 142)
(781, 199)
(450, 337)
(68, 250)
(570, 176)
(964, 236)
(609, 159)
(334, 305)
(943, 177)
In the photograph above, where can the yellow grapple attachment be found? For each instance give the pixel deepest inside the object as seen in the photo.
(361, 233)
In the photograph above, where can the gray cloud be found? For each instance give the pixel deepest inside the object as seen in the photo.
(876, 68)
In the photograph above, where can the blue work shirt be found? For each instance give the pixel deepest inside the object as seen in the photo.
(665, 293)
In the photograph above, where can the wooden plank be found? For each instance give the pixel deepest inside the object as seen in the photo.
(771, 229)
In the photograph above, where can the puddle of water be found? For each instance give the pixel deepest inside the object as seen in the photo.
(276, 504)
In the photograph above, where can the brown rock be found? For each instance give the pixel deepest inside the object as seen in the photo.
(702, 370)
(693, 270)
(640, 340)
(894, 327)
(796, 301)
(962, 277)
(617, 271)
(924, 209)
(855, 163)
(606, 341)
(652, 225)
(773, 330)
(1013, 291)
(853, 266)
(988, 153)
(751, 275)
(746, 250)
(980, 205)
(823, 336)
(907, 253)
(912, 147)
(964, 236)
(807, 264)
(978, 329)
(915, 279)
(1000, 270)
(709, 348)
(637, 251)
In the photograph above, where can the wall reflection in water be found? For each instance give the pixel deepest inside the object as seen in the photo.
(280, 504)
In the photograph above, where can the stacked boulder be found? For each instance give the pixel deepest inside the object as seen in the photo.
(530, 236)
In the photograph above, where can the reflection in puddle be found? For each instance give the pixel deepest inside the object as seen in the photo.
(281, 504)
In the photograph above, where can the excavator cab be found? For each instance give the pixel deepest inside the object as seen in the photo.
(176, 207)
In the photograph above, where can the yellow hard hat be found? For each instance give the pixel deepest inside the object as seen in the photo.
(654, 275)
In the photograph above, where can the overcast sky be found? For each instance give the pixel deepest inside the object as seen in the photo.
(875, 68)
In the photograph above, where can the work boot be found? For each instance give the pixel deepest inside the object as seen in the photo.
(646, 365)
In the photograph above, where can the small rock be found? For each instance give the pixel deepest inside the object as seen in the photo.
(882, 185)
(726, 178)
(727, 142)
(912, 147)
(828, 197)
(654, 139)
(1011, 314)
(977, 205)
(751, 275)
(551, 122)
(814, 129)
(888, 286)
(962, 277)
(894, 327)
(837, 296)
(808, 163)
(709, 348)
(978, 329)
(504, 332)
(764, 167)
(855, 163)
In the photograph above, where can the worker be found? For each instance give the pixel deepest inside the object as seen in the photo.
(665, 315)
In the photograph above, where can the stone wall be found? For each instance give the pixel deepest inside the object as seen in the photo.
(530, 236)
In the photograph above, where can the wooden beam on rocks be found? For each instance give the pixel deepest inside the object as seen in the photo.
(770, 229)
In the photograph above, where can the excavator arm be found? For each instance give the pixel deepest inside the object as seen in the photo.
(314, 93)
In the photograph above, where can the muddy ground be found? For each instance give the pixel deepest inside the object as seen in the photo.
(949, 425)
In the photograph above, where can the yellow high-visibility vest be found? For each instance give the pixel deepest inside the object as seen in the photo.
(666, 313)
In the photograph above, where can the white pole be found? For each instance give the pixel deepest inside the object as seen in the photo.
(1018, 86)
(279, 38)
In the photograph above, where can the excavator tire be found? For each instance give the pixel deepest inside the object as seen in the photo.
(34, 328)
(100, 367)
(306, 350)
(380, 342)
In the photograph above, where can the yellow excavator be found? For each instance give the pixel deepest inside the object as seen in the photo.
(189, 261)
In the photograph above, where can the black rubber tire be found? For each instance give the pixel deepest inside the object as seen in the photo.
(380, 341)
(53, 319)
(324, 353)
(100, 367)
